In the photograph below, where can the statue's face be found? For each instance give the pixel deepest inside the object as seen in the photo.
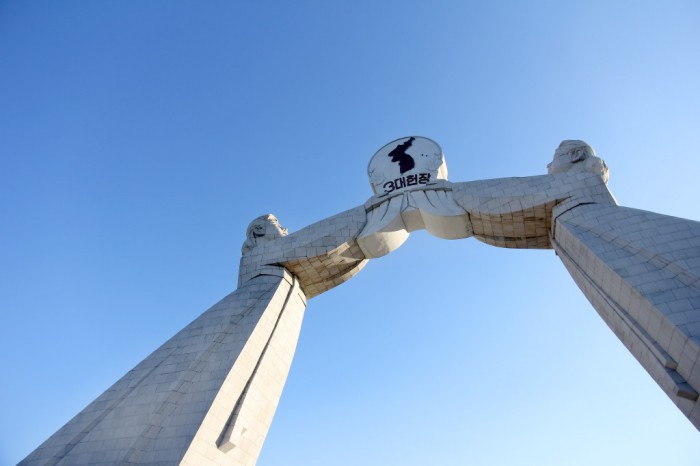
(564, 158)
(274, 229)
(269, 228)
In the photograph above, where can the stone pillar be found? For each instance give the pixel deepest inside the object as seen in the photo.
(641, 272)
(207, 396)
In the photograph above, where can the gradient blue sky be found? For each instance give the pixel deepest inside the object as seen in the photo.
(139, 138)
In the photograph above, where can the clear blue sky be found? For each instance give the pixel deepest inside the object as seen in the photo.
(139, 138)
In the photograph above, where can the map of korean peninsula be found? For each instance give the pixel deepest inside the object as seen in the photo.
(398, 154)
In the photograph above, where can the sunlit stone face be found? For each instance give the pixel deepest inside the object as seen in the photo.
(274, 229)
(560, 162)
(567, 154)
(266, 226)
(269, 227)
(577, 156)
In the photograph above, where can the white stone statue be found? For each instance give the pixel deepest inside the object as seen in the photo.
(207, 396)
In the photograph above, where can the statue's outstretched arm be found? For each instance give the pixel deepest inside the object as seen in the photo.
(322, 255)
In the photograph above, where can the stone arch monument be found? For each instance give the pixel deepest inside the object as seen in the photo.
(208, 395)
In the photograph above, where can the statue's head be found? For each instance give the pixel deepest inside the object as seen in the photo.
(263, 228)
(576, 156)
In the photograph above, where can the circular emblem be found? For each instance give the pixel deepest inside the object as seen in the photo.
(406, 163)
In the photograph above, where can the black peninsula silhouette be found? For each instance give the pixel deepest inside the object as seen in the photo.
(398, 154)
